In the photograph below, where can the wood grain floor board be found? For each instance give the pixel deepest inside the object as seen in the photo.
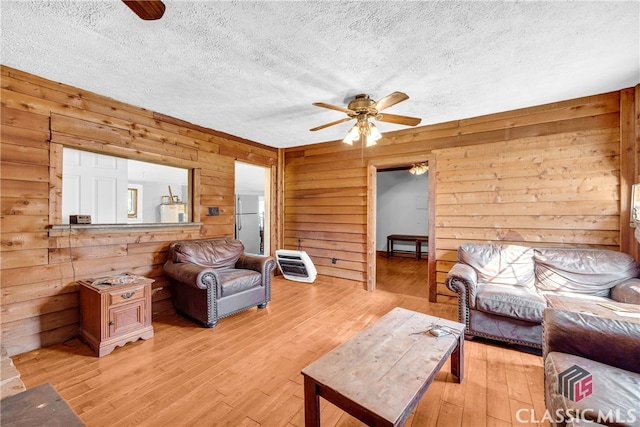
(474, 411)
(428, 410)
(246, 371)
(496, 422)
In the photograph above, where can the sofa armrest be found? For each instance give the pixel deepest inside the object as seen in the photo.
(463, 280)
(262, 264)
(610, 341)
(193, 275)
(628, 292)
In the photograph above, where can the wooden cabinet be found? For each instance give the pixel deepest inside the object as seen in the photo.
(113, 315)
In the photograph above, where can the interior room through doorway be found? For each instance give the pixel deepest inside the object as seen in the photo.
(402, 208)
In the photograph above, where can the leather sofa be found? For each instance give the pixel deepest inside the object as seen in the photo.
(214, 278)
(501, 288)
(591, 369)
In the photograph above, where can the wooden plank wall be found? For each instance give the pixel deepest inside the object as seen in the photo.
(556, 190)
(39, 304)
(547, 175)
(320, 191)
(630, 166)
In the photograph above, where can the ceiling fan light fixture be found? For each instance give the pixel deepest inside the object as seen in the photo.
(362, 107)
(374, 135)
(352, 135)
(374, 131)
(419, 168)
(364, 131)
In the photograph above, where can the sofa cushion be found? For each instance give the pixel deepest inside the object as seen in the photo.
(214, 253)
(511, 301)
(233, 280)
(628, 292)
(612, 392)
(500, 264)
(586, 271)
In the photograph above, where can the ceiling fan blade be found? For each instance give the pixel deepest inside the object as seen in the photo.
(333, 107)
(346, 119)
(149, 10)
(401, 120)
(390, 100)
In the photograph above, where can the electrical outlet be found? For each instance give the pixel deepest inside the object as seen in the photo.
(213, 211)
(333, 260)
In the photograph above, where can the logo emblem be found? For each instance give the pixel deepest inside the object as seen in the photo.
(575, 383)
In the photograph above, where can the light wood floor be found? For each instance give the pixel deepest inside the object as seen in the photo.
(403, 274)
(246, 371)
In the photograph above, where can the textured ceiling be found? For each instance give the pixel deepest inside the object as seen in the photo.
(253, 68)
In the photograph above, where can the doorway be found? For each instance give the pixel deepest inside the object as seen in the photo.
(375, 240)
(402, 212)
(252, 207)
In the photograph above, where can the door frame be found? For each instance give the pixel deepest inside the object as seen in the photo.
(372, 169)
(269, 202)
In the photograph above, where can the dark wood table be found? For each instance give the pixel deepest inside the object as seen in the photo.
(418, 240)
(380, 374)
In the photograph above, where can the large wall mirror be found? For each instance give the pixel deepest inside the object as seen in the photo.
(114, 190)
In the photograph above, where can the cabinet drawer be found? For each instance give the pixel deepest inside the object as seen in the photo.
(122, 296)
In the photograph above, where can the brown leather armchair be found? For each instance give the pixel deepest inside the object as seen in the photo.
(214, 278)
(591, 369)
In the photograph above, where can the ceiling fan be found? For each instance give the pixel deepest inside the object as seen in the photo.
(362, 107)
(149, 10)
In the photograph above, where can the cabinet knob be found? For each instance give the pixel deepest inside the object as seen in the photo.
(111, 323)
(127, 295)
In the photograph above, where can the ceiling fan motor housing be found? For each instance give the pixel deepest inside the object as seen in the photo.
(362, 104)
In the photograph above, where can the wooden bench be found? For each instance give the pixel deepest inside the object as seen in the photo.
(419, 240)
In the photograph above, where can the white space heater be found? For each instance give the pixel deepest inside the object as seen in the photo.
(296, 265)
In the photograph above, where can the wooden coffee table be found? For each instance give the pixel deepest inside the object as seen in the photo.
(379, 375)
